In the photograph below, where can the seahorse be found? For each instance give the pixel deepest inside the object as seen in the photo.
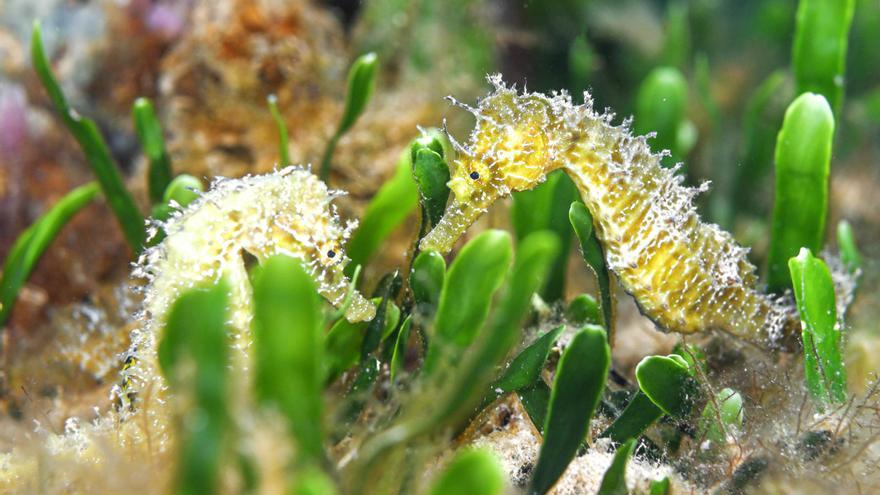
(685, 275)
(285, 212)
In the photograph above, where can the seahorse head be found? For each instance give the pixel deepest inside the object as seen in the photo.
(298, 219)
(310, 229)
(512, 148)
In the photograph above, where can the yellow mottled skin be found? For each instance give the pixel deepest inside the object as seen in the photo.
(286, 212)
(686, 275)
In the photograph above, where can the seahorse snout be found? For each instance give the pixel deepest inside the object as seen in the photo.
(455, 222)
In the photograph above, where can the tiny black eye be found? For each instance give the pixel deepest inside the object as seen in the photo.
(331, 254)
(475, 175)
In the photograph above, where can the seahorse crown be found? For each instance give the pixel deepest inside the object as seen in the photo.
(509, 148)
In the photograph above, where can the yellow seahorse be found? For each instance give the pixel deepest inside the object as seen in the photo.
(286, 212)
(686, 275)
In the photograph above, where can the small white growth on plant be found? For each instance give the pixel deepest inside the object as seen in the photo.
(845, 283)
(517, 446)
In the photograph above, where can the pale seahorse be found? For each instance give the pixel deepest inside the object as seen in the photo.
(285, 212)
(686, 275)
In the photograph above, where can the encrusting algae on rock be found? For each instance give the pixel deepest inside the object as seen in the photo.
(686, 275)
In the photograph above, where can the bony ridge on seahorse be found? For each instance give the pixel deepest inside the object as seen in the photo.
(285, 212)
(686, 275)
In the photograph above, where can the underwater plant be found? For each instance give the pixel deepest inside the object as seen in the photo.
(803, 162)
(89, 138)
(31, 244)
(361, 79)
(814, 290)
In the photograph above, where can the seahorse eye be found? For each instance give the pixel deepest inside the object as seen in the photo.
(475, 175)
(331, 254)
